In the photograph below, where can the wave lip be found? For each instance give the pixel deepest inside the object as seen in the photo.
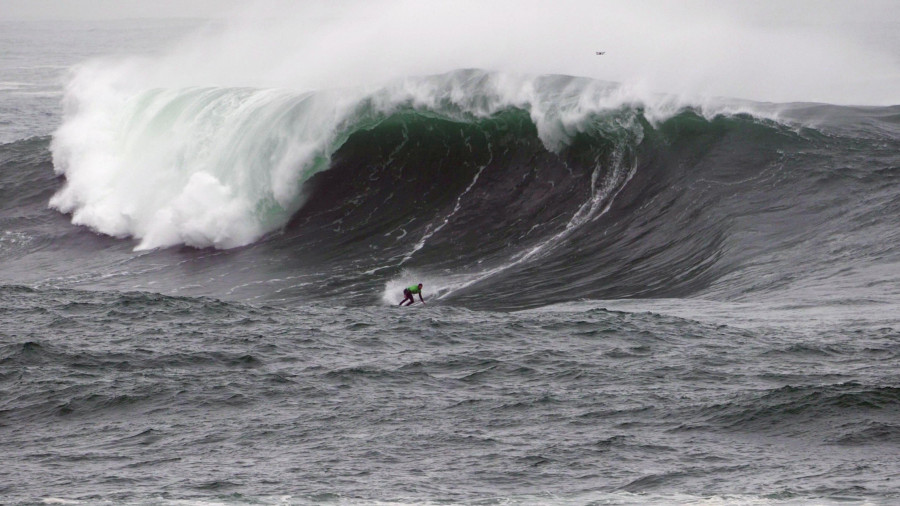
(223, 166)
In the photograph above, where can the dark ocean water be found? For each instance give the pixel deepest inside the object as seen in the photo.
(624, 306)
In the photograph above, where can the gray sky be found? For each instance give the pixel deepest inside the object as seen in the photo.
(113, 9)
(757, 11)
(844, 51)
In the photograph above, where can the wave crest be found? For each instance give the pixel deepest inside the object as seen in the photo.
(221, 167)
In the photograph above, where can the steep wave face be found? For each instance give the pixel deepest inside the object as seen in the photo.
(729, 205)
(536, 188)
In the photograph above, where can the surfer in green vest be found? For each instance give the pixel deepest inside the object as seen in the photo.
(409, 292)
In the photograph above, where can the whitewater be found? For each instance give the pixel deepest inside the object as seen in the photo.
(663, 275)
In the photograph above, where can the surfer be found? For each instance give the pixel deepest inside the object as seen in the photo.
(409, 292)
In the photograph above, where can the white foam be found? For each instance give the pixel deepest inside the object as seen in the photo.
(434, 287)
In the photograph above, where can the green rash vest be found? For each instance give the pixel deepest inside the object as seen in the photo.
(413, 289)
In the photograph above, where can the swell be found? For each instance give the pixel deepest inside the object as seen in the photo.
(168, 341)
(26, 175)
(844, 414)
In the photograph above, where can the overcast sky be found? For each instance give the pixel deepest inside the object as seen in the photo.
(774, 11)
(113, 9)
(869, 20)
(847, 51)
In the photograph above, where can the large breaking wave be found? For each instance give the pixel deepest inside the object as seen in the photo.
(223, 166)
(545, 188)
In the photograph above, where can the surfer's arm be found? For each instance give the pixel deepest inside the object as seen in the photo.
(420, 298)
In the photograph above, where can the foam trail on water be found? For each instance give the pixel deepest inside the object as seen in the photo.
(433, 286)
(431, 231)
(605, 187)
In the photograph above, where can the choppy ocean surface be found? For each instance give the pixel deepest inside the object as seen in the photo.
(628, 301)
